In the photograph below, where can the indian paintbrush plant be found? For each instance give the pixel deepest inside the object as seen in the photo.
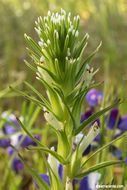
(60, 67)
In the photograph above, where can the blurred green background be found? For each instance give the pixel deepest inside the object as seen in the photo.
(104, 20)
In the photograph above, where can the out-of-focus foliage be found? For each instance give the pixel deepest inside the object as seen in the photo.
(110, 24)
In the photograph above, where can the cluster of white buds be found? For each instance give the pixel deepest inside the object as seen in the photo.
(50, 28)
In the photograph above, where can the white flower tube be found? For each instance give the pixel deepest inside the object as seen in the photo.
(51, 119)
(95, 130)
(53, 163)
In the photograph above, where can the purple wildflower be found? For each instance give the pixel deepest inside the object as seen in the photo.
(94, 97)
(77, 140)
(10, 150)
(84, 183)
(45, 178)
(98, 138)
(116, 152)
(27, 141)
(87, 151)
(4, 143)
(60, 171)
(17, 165)
(86, 115)
(123, 123)
(89, 182)
(113, 118)
(8, 129)
(12, 125)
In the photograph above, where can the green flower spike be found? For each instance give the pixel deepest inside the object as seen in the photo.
(60, 66)
(66, 76)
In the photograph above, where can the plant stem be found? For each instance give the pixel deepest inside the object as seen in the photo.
(64, 176)
(68, 184)
(66, 180)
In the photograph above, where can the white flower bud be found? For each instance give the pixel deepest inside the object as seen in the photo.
(69, 14)
(73, 32)
(78, 17)
(37, 30)
(66, 58)
(93, 179)
(51, 119)
(56, 34)
(53, 162)
(45, 45)
(94, 131)
(76, 33)
(40, 43)
(63, 12)
(57, 14)
(68, 52)
(45, 19)
(48, 42)
(78, 138)
(42, 59)
(39, 19)
(49, 13)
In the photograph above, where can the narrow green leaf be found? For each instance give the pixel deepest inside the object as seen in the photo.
(81, 46)
(30, 98)
(39, 95)
(23, 111)
(50, 73)
(35, 47)
(53, 153)
(66, 43)
(40, 182)
(30, 109)
(73, 94)
(59, 91)
(6, 92)
(95, 116)
(76, 111)
(34, 54)
(55, 181)
(76, 159)
(41, 147)
(63, 147)
(33, 118)
(34, 69)
(100, 166)
(46, 85)
(87, 61)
